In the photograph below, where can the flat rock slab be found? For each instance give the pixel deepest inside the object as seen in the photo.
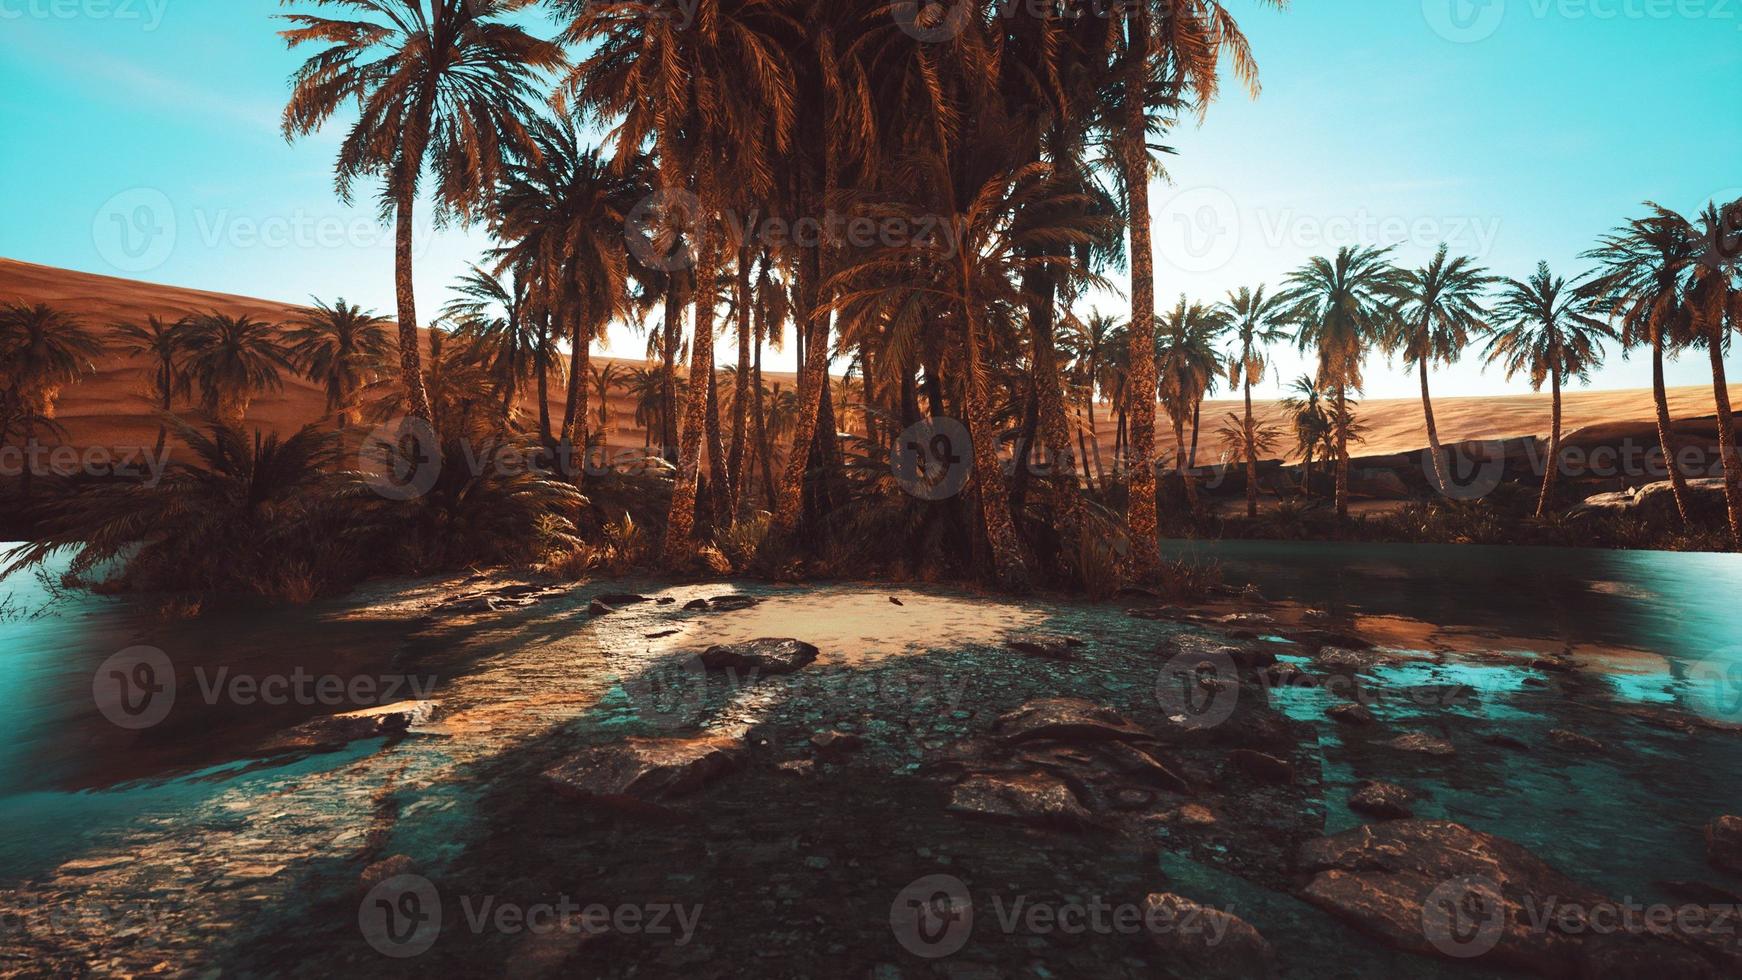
(1031, 798)
(1206, 942)
(1052, 646)
(1423, 743)
(646, 769)
(1067, 720)
(1387, 801)
(333, 731)
(1246, 655)
(764, 656)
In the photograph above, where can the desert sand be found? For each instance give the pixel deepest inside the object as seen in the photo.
(110, 408)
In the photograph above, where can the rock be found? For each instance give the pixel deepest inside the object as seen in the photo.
(383, 721)
(1573, 740)
(1052, 646)
(1133, 761)
(1508, 742)
(696, 604)
(86, 866)
(1262, 767)
(388, 867)
(1066, 720)
(727, 603)
(1423, 743)
(1194, 815)
(1031, 798)
(894, 601)
(1724, 843)
(1339, 659)
(660, 634)
(1633, 956)
(599, 607)
(1387, 801)
(766, 656)
(1438, 888)
(1249, 656)
(798, 767)
(620, 598)
(645, 769)
(1204, 942)
(664, 600)
(1351, 714)
(834, 745)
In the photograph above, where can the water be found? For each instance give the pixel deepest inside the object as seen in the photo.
(235, 853)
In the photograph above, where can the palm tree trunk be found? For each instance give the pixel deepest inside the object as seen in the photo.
(719, 483)
(1179, 463)
(1251, 452)
(1727, 442)
(1342, 452)
(680, 524)
(813, 377)
(1197, 423)
(1677, 481)
(580, 381)
(541, 366)
(671, 338)
(735, 462)
(167, 380)
(410, 354)
(1553, 467)
(1140, 388)
(1007, 561)
(1441, 483)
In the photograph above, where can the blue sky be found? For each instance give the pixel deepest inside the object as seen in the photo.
(141, 140)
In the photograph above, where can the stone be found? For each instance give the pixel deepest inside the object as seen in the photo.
(1194, 815)
(599, 607)
(1051, 646)
(1066, 720)
(1724, 843)
(1422, 743)
(1262, 766)
(1030, 798)
(696, 604)
(1204, 942)
(1387, 801)
(333, 731)
(391, 866)
(765, 656)
(1567, 739)
(1351, 714)
(621, 598)
(646, 769)
(727, 603)
(833, 745)
(1439, 888)
(1249, 656)
(1135, 762)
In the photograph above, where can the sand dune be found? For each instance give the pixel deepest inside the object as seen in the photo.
(109, 408)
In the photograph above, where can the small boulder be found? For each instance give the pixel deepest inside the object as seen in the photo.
(1724, 843)
(388, 867)
(1200, 941)
(620, 599)
(1351, 714)
(834, 745)
(726, 603)
(645, 769)
(1387, 801)
(1052, 646)
(1194, 815)
(765, 656)
(1031, 798)
(1066, 720)
(1423, 743)
(1567, 739)
(1262, 766)
(696, 604)
(599, 607)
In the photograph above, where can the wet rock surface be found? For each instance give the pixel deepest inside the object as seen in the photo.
(764, 656)
(1201, 941)
(646, 770)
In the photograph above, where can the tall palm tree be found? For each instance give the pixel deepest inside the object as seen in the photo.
(446, 84)
(1440, 308)
(1550, 331)
(165, 344)
(42, 350)
(1642, 270)
(338, 347)
(1187, 365)
(1256, 322)
(231, 359)
(604, 379)
(646, 387)
(1342, 307)
(1715, 296)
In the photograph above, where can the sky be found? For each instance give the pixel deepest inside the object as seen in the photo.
(140, 139)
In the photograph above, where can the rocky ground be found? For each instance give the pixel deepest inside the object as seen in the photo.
(621, 784)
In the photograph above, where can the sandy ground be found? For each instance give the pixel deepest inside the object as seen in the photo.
(110, 408)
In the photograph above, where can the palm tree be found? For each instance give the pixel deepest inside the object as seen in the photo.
(1305, 410)
(1187, 366)
(231, 359)
(445, 84)
(1548, 330)
(498, 313)
(646, 387)
(1256, 321)
(1441, 307)
(42, 350)
(339, 347)
(1642, 271)
(1342, 306)
(604, 379)
(165, 344)
(1715, 296)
